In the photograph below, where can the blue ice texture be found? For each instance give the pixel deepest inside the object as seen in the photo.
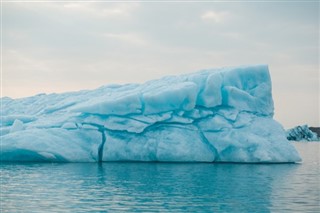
(214, 115)
(302, 133)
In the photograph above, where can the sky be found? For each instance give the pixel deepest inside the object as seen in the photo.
(58, 46)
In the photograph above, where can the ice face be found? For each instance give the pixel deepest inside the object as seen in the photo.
(220, 115)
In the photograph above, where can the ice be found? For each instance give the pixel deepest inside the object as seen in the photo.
(302, 133)
(58, 143)
(116, 104)
(179, 96)
(16, 126)
(214, 115)
(10, 119)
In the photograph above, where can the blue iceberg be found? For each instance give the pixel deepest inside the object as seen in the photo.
(216, 115)
(302, 133)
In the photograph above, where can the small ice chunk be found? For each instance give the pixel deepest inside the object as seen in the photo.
(16, 126)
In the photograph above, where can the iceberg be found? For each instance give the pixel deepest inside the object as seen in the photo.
(214, 115)
(302, 133)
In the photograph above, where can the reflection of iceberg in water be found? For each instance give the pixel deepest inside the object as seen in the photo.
(120, 187)
(222, 115)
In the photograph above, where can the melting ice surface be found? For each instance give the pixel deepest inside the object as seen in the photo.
(220, 115)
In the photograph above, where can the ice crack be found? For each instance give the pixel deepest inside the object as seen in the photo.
(102, 130)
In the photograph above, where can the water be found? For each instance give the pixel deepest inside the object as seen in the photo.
(162, 187)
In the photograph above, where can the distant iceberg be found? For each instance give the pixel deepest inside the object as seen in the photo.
(216, 115)
(302, 133)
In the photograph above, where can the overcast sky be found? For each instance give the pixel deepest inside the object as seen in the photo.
(64, 46)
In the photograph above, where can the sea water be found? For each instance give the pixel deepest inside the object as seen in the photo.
(163, 187)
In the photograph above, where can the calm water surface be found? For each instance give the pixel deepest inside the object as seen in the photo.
(162, 187)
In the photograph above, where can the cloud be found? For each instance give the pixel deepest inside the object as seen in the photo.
(128, 38)
(107, 10)
(62, 46)
(216, 17)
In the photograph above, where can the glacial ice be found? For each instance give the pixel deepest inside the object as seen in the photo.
(302, 133)
(216, 115)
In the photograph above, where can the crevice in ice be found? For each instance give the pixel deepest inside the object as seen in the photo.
(102, 130)
(143, 106)
(208, 144)
(101, 146)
